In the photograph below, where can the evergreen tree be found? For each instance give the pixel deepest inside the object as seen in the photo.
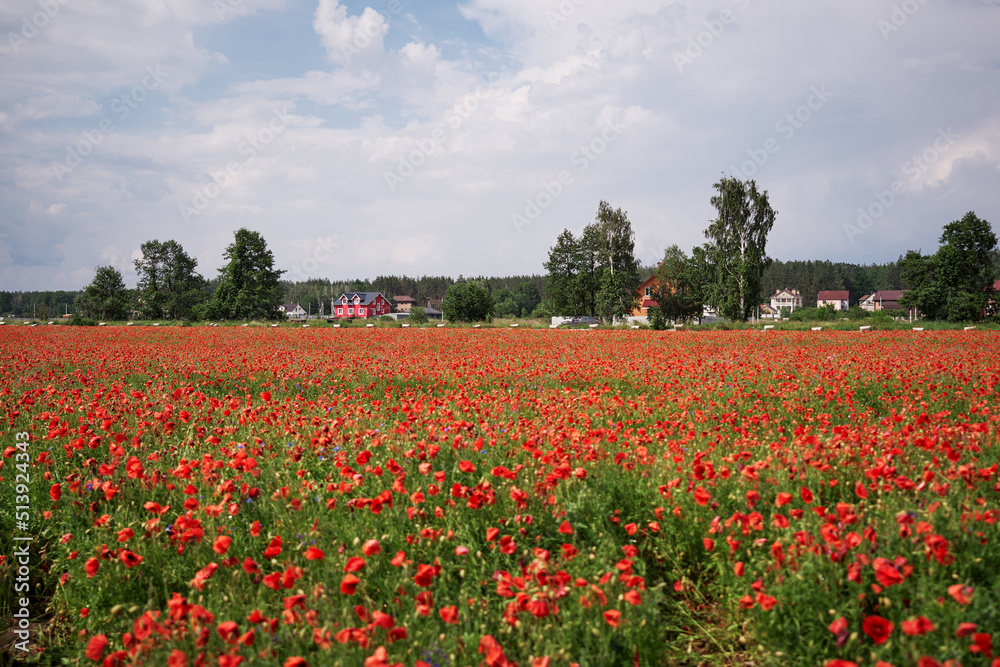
(249, 286)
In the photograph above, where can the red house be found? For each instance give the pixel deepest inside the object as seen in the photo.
(646, 293)
(360, 305)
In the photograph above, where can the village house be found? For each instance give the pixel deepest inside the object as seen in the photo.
(882, 300)
(404, 303)
(646, 291)
(292, 311)
(839, 299)
(786, 298)
(360, 305)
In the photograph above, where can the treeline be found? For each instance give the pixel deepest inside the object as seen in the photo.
(513, 296)
(810, 277)
(41, 304)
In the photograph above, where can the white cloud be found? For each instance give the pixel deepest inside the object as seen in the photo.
(481, 128)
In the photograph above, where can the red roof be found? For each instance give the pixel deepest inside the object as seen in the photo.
(647, 303)
(840, 295)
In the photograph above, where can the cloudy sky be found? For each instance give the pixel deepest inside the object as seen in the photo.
(428, 138)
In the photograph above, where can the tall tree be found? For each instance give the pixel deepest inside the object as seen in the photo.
(617, 268)
(249, 285)
(169, 286)
(563, 270)
(467, 301)
(956, 282)
(737, 246)
(105, 298)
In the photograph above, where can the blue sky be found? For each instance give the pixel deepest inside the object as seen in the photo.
(400, 136)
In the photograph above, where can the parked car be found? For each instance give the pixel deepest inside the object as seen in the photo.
(582, 322)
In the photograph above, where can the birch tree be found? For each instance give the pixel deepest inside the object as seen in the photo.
(737, 246)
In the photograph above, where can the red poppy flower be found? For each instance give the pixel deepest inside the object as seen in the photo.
(917, 626)
(130, 559)
(91, 567)
(878, 628)
(314, 553)
(965, 629)
(228, 630)
(613, 617)
(96, 647)
(371, 547)
(55, 492)
(349, 584)
(982, 642)
(961, 593)
(221, 544)
(449, 614)
(354, 563)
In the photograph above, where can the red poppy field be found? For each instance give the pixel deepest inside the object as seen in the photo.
(225, 496)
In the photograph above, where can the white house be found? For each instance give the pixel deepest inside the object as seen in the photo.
(839, 299)
(786, 298)
(292, 311)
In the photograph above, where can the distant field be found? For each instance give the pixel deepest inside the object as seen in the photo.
(289, 496)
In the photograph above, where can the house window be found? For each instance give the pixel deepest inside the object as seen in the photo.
(350, 311)
(648, 290)
(340, 311)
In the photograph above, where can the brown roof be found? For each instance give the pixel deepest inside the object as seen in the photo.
(840, 295)
(404, 299)
(888, 295)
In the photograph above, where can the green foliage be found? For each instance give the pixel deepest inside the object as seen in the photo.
(824, 314)
(657, 318)
(78, 321)
(955, 283)
(597, 274)
(680, 290)
(248, 287)
(737, 247)
(467, 302)
(169, 287)
(417, 315)
(105, 298)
